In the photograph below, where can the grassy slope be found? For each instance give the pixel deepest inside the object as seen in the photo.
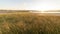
(29, 23)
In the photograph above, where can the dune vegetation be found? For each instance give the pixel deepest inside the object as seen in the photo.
(29, 23)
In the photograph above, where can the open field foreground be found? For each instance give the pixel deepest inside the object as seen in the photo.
(29, 23)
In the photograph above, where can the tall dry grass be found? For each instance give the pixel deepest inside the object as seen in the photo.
(29, 23)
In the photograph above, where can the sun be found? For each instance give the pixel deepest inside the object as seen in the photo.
(46, 6)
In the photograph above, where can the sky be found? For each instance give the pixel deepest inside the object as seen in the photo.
(30, 4)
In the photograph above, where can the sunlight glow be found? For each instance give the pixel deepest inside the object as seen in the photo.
(42, 5)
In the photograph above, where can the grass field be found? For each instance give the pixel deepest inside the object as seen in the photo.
(29, 23)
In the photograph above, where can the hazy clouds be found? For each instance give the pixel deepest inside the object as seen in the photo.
(30, 4)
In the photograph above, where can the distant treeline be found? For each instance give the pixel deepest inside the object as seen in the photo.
(8, 11)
